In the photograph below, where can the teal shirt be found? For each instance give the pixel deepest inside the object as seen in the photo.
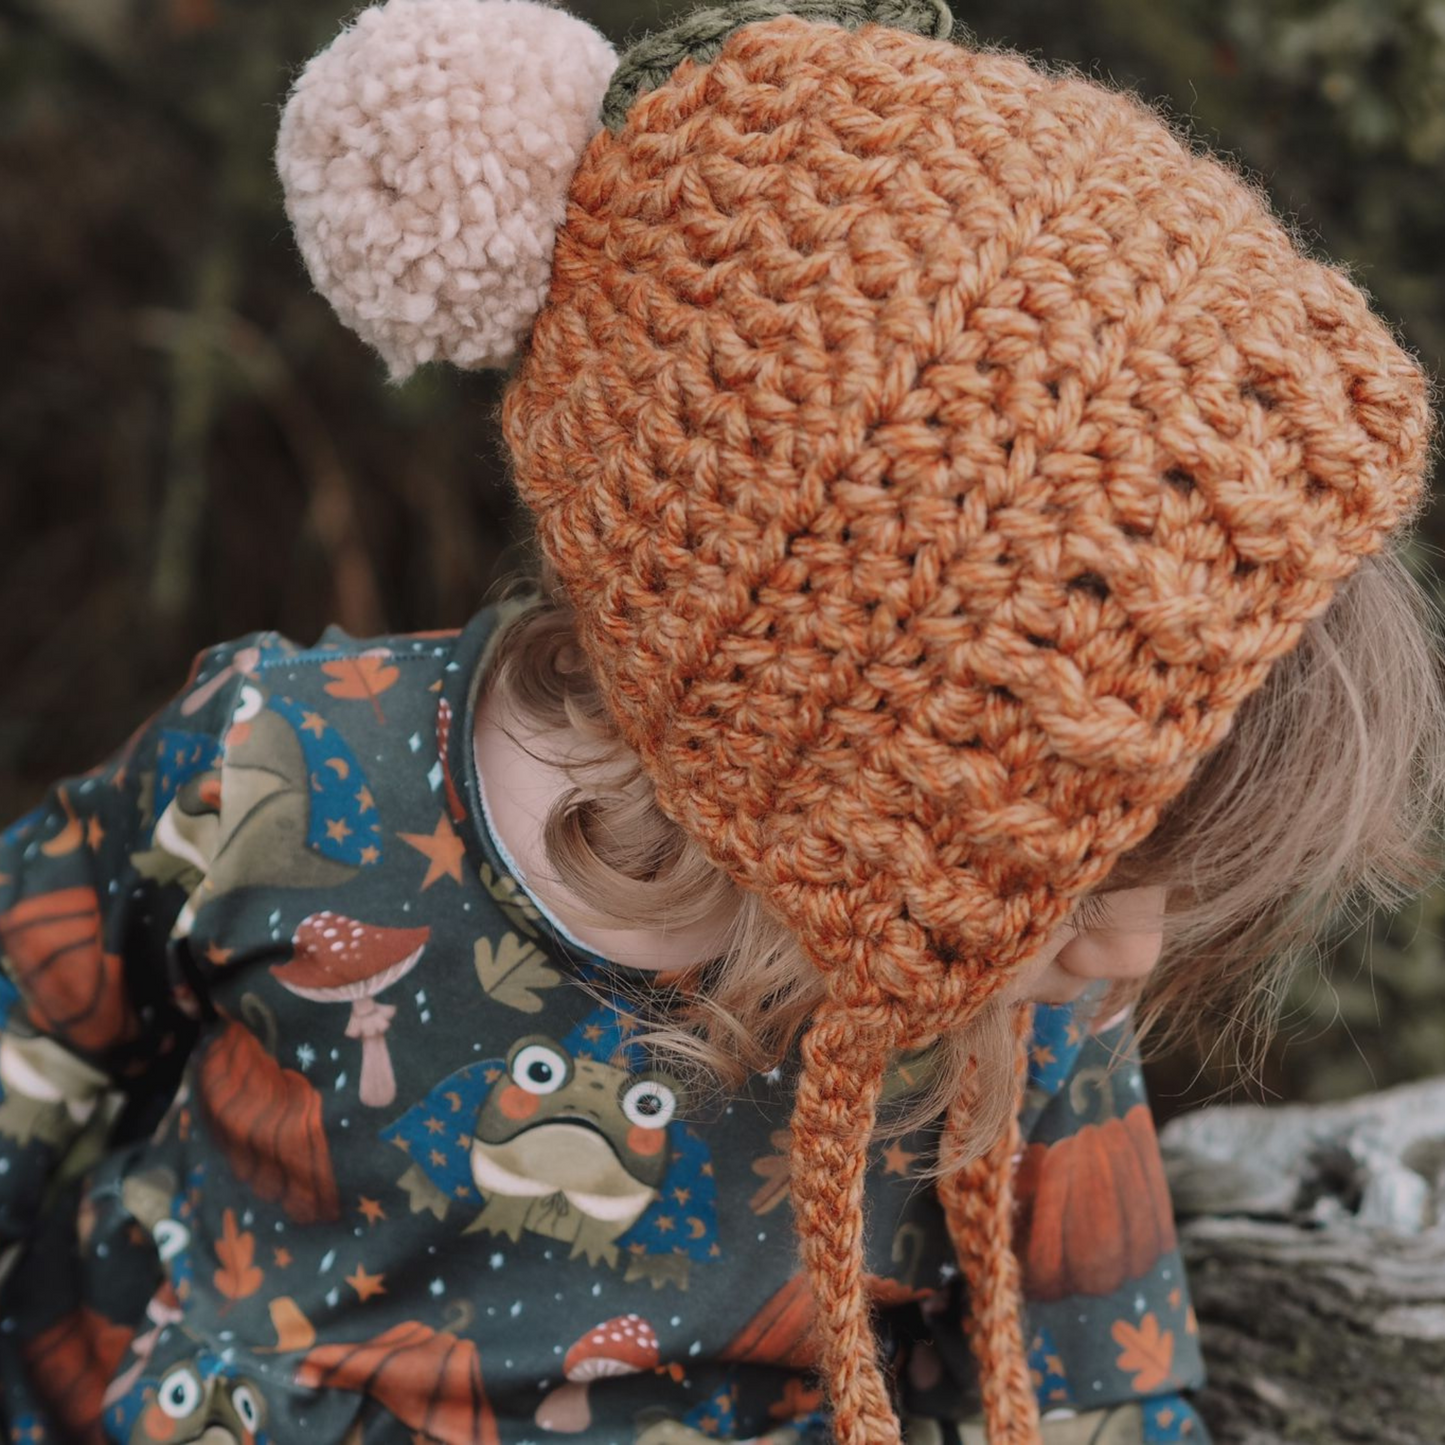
(371, 1151)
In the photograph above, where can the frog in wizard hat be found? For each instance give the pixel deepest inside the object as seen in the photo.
(574, 1139)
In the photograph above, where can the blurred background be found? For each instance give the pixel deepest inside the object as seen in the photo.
(192, 447)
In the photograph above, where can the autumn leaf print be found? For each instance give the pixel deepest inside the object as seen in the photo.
(775, 1169)
(238, 1276)
(513, 971)
(521, 912)
(362, 678)
(1147, 1353)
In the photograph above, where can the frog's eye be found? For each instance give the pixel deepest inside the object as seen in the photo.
(171, 1237)
(649, 1104)
(180, 1393)
(539, 1069)
(248, 1408)
(251, 702)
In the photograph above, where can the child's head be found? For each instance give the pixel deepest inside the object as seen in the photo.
(965, 498)
(1321, 803)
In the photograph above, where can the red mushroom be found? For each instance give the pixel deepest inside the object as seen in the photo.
(338, 960)
(626, 1345)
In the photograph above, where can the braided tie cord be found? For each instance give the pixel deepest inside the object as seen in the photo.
(833, 1116)
(978, 1204)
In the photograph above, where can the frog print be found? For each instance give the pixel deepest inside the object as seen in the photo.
(571, 1140)
(200, 1399)
(570, 1147)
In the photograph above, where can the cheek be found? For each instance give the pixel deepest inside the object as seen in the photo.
(646, 1141)
(517, 1103)
(157, 1424)
(1111, 955)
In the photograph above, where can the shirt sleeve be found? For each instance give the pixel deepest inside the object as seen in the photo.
(1109, 1327)
(92, 1018)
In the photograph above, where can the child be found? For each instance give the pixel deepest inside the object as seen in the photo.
(968, 523)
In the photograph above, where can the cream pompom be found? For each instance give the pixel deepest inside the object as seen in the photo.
(425, 157)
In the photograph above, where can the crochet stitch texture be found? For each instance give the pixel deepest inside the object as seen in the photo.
(937, 453)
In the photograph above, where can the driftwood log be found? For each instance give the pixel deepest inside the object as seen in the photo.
(1315, 1241)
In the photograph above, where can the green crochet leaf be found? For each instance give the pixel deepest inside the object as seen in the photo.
(700, 36)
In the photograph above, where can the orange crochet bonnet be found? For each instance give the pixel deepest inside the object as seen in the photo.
(936, 452)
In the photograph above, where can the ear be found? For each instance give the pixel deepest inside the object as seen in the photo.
(425, 157)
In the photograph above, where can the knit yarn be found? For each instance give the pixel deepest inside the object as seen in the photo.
(937, 453)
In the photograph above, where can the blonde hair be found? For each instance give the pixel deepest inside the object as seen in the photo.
(1321, 803)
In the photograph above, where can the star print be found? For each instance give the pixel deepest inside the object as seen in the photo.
(682, 1196)
(664, 1223)
(282, 1257)
(94, 834)
(372, 1209)
(364, 800)
(442, 849)
(369, 855)
(438, 1159)
(592, 1033)
(313, 723)
(1042, 1056)
(217, 955)
(435, 1125)
(337, 830)
(365, 1284)
(897, 1159)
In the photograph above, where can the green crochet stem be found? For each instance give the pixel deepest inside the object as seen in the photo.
(700, 35)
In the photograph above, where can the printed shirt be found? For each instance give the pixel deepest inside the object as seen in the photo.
(316, 1126)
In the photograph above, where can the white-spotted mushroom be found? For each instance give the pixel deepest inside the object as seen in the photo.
(625, 1345)
(340, 960)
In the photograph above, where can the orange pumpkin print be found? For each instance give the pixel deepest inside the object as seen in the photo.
(71, 1364)
(1093, 1210)
(430, 1380)
(267, 1121)
(73, 987)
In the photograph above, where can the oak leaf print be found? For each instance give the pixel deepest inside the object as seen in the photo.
(1147, 1352)
(776, 1169)
(521, 912)
(513, 971)
(238, 1276)
(362, 678)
